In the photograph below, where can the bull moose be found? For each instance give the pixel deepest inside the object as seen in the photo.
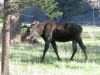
(51, 32)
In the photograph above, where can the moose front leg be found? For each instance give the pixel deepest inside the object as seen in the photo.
(45, 49)
(55, 49)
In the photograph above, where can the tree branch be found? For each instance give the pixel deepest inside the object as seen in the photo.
(19, 2)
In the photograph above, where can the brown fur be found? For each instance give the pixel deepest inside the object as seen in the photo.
(51, 32)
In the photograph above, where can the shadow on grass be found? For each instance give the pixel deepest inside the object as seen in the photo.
(51, 59)
(33, 53)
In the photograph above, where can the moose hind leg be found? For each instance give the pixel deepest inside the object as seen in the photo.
(74, 46)
(82, 47)
(55, 49)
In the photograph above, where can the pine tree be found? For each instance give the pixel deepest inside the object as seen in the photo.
(48, 6)
(69, 7)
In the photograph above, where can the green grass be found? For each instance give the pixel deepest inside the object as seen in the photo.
(25, 58)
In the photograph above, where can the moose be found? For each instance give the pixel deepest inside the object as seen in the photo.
(51, 32)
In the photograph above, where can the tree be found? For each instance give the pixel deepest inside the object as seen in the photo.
(15, 28)
(5, 40)
(49, 7)
(69, 7)
(46, 5)
(94, 3)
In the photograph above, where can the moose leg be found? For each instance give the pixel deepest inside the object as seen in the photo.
(55, 49)
(74, 46)
(45, 49)
(82, 47)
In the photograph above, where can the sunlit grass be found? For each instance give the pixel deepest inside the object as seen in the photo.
(25, 58)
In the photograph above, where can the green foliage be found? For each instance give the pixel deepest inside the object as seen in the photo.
(69, 7)
(48, 6)
(1, 18)
(10, 8)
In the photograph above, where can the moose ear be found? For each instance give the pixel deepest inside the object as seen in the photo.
(35, 23)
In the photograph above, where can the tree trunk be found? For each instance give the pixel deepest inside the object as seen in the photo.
(15, 28)
(5, 46)
(5, 41)
(63, 16)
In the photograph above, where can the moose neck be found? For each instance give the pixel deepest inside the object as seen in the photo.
(40, 28)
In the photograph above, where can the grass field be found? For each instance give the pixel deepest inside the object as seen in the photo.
(25, 58)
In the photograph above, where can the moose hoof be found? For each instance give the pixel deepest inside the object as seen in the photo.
(71, 59)
(59, 59)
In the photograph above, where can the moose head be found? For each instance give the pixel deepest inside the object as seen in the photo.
(32, 31)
